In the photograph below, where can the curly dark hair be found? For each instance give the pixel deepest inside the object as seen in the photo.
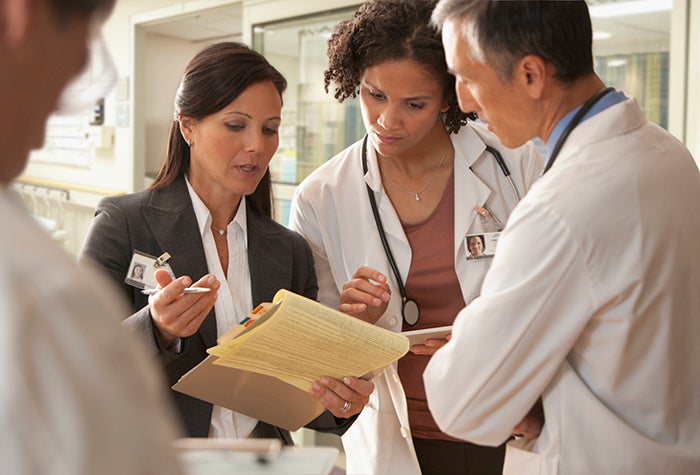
(390, 30)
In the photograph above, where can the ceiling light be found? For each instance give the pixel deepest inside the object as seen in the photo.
(616, 63)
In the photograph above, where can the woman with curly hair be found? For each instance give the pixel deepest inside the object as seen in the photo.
(435, 181)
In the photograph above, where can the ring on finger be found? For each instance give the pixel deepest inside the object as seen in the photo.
(346, 406)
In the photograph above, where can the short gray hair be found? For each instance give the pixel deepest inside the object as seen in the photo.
(503, 32)
(450, 9)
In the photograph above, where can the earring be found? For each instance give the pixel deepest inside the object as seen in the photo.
(189, 143)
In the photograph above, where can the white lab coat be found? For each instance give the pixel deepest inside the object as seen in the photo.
(331, 210)
(77, 395)
(593, 303)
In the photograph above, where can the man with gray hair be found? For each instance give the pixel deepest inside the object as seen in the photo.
(77, 395)
(591, 305)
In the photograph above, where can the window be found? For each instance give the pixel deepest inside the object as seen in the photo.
(631, 45)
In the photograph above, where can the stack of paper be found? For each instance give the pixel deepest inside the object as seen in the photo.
(266, 369)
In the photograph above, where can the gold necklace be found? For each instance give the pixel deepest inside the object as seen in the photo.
(416, 194)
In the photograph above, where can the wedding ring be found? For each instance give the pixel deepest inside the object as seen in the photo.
(346, 407)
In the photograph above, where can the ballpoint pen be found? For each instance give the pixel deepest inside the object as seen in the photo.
(188, 290)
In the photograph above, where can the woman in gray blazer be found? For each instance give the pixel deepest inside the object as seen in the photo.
(210, 208)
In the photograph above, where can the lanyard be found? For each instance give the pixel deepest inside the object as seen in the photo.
(587, 106)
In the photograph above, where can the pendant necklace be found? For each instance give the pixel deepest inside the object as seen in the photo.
(416, 194)
(222, 232)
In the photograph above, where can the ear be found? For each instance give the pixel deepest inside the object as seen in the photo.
(445, 105)
(532, 71)
(14, 20)
(186, 129)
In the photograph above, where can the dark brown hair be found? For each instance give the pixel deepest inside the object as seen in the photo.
(390, 30)
(213, 79)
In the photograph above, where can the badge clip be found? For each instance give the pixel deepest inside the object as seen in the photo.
(482, 212)
(161, 260)
(485, 214)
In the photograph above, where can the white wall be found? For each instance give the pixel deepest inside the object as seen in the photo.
(166, 58)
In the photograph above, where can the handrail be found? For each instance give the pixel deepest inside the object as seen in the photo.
(27, 180)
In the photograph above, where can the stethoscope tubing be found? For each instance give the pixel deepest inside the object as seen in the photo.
(504, 168)
(575, 121)
(407, 302)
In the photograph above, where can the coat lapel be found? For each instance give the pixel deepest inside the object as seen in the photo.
(269, 258)
(173, 224)
(470, 189)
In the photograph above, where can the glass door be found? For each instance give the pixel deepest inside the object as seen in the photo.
(315, 126)
(632, 43)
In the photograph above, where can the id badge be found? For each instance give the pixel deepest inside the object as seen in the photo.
(143, 267)
(481, 243)
(481, 246)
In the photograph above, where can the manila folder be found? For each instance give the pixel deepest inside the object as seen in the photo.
(263, 397)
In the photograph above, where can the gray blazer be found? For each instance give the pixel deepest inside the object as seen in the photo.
(157, 221)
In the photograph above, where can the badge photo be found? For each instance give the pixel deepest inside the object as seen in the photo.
(481, 246)
(142, 269)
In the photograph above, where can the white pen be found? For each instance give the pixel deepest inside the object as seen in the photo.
(188, 290)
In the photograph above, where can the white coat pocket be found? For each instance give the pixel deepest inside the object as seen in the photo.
(520, 460)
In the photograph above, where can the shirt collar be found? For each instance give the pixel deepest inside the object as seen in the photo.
(204, 216)
(606, 101)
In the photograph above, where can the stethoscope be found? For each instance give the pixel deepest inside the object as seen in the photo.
(410, 311)
(575, 121)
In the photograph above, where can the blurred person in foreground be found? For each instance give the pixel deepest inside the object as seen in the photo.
(592, 301)
(78, 395)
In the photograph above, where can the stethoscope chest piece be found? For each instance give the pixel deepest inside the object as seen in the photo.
(410, 311)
